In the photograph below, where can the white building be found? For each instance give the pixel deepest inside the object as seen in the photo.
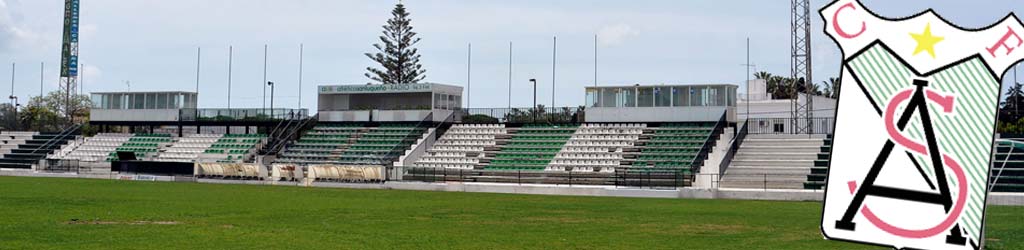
(776, 115)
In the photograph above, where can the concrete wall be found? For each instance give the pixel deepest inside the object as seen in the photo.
(400, 115)
(823, 107)
(658, 114)
(134, 115)
(345, 116)
(333, 102)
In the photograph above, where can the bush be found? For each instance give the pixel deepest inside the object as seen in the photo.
(479, 118)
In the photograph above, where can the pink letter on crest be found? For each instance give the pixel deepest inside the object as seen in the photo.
(839, 30)
(1002, 43)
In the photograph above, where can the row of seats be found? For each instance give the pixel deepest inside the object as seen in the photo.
(674, 145)
(532, 147)
(97, 148)
(234, 148)
(451, 150)
(591, 147)
(351, 143)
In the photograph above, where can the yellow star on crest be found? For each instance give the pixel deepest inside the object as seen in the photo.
(926, 41)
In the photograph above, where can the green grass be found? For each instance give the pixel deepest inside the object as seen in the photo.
(39, 213)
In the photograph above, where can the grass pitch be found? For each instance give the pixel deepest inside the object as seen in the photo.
(43, 213)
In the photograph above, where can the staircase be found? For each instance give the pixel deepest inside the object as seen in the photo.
(28, 152)
(774, 161)
(285, 132)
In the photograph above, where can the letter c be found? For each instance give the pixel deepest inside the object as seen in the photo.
(839, 30)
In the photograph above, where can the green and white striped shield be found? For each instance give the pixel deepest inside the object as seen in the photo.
(915, 126)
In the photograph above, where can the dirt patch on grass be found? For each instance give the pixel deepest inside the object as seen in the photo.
(709, 228)
(558, 219)
(101, 222)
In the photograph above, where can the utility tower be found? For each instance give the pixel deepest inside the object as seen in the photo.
(800, 67)
(69, 56)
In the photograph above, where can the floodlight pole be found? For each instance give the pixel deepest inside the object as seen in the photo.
(14, 99)
(231, 50)
(42, 67)
(534, 81)
(265, 77)
(271, 84)
(554, 56)
(199, 56)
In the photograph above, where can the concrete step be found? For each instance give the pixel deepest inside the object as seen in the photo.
(763, 177)
(779, 149)
(772, 163)
(750, 170)
(762, 184)
(784, 136)
(772, 142)
(775, 156)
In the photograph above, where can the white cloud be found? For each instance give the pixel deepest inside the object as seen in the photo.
(615, 34)
(11, 33)
(91, 73)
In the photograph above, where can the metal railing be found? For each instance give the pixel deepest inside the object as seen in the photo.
(622, 177)
(291, 133)
(523, 115)
(737, 141)
(788, 125)
(254, 114)
(767, 181)
(698, 160)
(59, 138)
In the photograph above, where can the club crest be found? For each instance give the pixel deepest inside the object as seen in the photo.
(915, 126)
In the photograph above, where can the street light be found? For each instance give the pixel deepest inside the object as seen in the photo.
(271, 84)
(16, 105)
(534, 81)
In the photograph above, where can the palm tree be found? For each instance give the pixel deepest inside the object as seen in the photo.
(831, 87)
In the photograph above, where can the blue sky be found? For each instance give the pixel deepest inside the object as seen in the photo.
(153, 43)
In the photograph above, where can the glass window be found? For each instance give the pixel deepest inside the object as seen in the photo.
(662, 97)
(721, 96)
(136, 101)
(607, 98)
(645, 97)
(680, 96)
(451, 102)
(627, 98)
(116, 101)
(149, 101)
(732, 97)
(161, 101)
(437, 101)
(592, 97)
(97, 101)
(696, 96)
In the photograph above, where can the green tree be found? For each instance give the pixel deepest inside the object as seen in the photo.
(831, 87)
(1013, 102)
(8, 120)
(395, 52)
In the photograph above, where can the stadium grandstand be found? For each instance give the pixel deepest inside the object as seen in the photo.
(667, 136)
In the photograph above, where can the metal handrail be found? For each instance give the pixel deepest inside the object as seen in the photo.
(281, 142)
(698, 160)
(63, 134)
(734, 146)
(383, 159)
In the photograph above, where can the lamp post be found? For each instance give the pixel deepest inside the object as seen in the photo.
(534, 81)
(271, 84)
(16, 105)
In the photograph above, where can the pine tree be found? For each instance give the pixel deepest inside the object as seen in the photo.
(395, 52)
